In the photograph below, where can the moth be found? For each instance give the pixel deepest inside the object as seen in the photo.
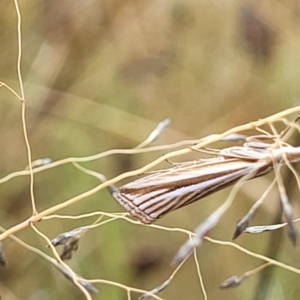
(161, 192)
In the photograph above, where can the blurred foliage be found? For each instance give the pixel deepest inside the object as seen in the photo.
(100, 75)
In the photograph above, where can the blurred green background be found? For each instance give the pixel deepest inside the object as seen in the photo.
(100, 75)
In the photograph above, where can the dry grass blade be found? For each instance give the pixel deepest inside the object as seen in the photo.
(287, 210)
(155, 133)
(39, 162)
(232, 282)
(69, 236)
(263, 228)
(70, 241)
(70, 275)
(162, 286)
(243, 223)
(236, 280)
(156, 290)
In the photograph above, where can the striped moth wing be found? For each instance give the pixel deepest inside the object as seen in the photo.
(155, 195)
